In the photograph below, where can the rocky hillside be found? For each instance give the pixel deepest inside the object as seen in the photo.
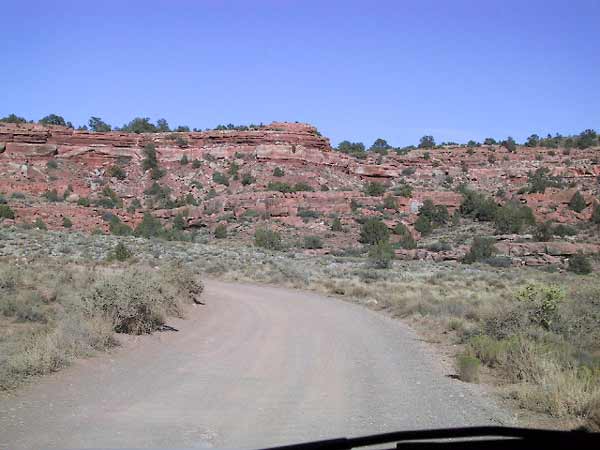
(288, 175)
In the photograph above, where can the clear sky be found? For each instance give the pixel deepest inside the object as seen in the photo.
(357, 70)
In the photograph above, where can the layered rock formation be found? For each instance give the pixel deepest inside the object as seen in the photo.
(209, 177)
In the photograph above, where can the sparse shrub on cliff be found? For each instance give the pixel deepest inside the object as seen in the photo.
(52, 164)
(149, 227)
(13, 118)
(374, 189)
(579, 264)
(142, 125)
(196, 163)
(541, 179)
(513, 217)
(564, 230)
(66, 222)
(53, 119)
(52, 196)
(267, 239)
(6, 212)
(302, 187)
(278, 172)
(373, 230)
(184, 160)
(389, 202)
(97, 125)
(181, 141)
(220, 178)
(118, 228)
(437, 214)
(509, 144)
(39, 224)
(312, 242)
(336, 225)
(83, 201)
(150, 161)
(234, 169)
(577, 202)
(117, 172)
(423, 225)
(248, 179)
(481, 248)
(477, 205)
(380, 146)
(543, 232)
(595, 217)
(381, 255)
(221, 231)
(427, 142)
(307, 214)
(403, 190)
(356, 149)
(279, 186)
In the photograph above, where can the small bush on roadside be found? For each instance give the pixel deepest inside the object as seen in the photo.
(468, 368)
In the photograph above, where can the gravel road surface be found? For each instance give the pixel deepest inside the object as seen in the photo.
(257, 366)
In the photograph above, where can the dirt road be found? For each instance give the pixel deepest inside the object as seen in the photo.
(257, 366)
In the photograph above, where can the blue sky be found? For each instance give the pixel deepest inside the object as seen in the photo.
(357, 70)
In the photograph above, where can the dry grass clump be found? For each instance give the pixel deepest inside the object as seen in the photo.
(51, 314)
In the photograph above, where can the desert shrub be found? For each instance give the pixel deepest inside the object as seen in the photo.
(150, 161)
(120, 253)
(542, 302)
(423, 225)
(234, 168)
(595, 218)
(468, 368)
(134, 301)
(268, 239)
(52, 196)
(406, 238)
(564, 230)
(221, 231)
(301, 186)
(478, 206)
(541, 179)
(577, 202)
(437, 214)
(83, 201)
(278, 172)
(184, 161)
(336, 224)
(279, 186)
(481, 248)
(543, 232)
(116, 171)
(373, 231)
(579, 264)
(196, 164)
(181, 142)
(52, 164)
(118, 228)
(248, 179)
(149, 227)
(408, 171)
(513, 217)
(156, 173)
(439, 246)
(389, 202)
(6, 212)
(39, 224)
(404, 190)
(312, 242)
(66, 222)
(381, 255)
(306, 213)
(374, 189)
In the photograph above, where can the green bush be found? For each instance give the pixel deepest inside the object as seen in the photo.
(221, 231)
(278, 172)
(6, 212)
(404, 190)
(248, 179)
(336, 225)
(478, 206)
(117, 172)
(543, 232)
(543, 302)
(184, 161)
(39, 224)
(268, 239)
(52, 164)
(564, 230)
(406, 238)
(381, 255)
(468, 368)
(513, 217)
(220, 178)
(374, 231)
(541, 179)
(83, 201)
(389, 202)
(196, 164)
(437, 214)
(149, 227)
(579, 264)
(481, 248)
(374, 189)
(118, 228)
(423, 225)
(312, 242)
(150, 161)
(577, 202)
(120, 253)
(595, 218)
(66, 222)
(52, 196)
(306, 213)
